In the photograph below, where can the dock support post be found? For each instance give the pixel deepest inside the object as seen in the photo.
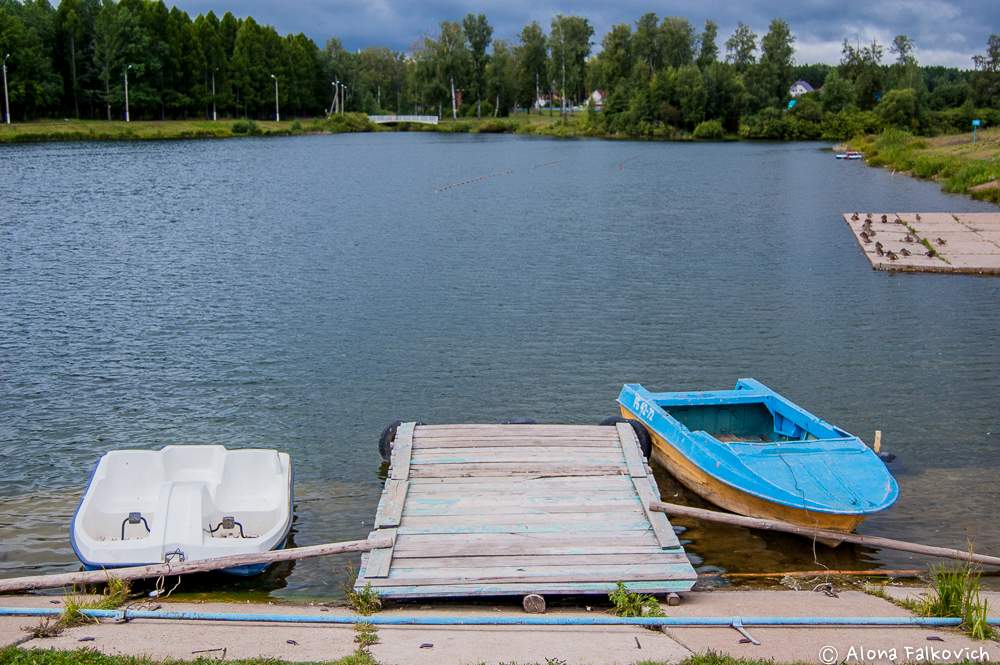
(534, 603)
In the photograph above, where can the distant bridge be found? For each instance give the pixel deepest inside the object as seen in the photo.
(387, 119)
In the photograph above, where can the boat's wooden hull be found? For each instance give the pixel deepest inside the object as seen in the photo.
(725, 496)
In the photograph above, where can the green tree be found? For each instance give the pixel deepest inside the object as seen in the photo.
(116, 32)
(708, 51)
(647, 43)
(569, 44)
(905, 72)
(530, 64)
(773, 74)
(450, 59)
(501, 79)
(986, 78)
(27, 33)
(615, 61)
(725, 94)
(213, 59)
(808, 108)
(248, 69)
(479, 33)
(677, 35)
(741, 48)
(74, 26)
(898, 108)
(837, 93)
(689, 90)
(862, 66)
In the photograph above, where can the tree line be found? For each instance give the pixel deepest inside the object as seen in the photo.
(653, 75)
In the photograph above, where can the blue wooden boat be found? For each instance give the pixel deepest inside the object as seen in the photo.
(753, 452)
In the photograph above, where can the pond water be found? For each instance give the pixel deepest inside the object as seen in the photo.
(301, 293)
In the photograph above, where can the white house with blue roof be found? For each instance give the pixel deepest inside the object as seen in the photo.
(800, 88)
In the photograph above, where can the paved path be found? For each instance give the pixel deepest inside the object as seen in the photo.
(597, 645)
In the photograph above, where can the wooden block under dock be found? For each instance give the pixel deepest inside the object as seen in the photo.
(488, 510)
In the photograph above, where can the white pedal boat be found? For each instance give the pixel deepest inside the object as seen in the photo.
(183, 503)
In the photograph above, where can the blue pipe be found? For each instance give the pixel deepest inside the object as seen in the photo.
(603, 620)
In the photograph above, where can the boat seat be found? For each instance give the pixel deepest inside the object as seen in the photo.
(186, 504)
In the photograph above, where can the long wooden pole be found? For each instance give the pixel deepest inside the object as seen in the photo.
(879, 572)
(21, 584)
(778, 525)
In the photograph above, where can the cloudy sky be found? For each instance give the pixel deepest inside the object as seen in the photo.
(947, 32)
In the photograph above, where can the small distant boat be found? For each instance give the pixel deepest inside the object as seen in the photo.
(850, 154)
(755, 453)
(183, 503)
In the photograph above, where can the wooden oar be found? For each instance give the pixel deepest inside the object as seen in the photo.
(825, 534)
(33, 582)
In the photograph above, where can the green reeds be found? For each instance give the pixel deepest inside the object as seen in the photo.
(956, 592)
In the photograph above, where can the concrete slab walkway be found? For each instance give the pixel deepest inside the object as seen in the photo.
(418, 645)
(965, 242)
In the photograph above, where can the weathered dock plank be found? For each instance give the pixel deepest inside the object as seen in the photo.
(609, 456)
(537, 470)
(480, 510)
(634, 462)
(513, 575)
(464, 544)
(390, 511)
(541, 561)
(402, 448)
(507, 589)
(424, 443)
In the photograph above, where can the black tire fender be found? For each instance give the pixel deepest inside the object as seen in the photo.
(388, 436)
(385, 441)
(645, 442)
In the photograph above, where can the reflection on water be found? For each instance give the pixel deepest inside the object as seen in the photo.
(302, 293)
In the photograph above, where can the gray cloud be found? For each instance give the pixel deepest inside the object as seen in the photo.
(947, 32)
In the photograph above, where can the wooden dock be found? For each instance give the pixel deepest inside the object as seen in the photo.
(963, 242)
(490, 510)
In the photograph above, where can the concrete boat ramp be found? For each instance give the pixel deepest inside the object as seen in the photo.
(515, 510)
(963, 242)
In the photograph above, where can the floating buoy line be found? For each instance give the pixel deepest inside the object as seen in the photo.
(488, 176)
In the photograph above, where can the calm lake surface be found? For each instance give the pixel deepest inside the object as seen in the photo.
(301, 293)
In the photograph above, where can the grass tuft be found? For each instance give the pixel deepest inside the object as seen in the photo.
(366, 601)
(956, 593)
(365, 635)
(627, 603)
(45, 628)
(116, 592)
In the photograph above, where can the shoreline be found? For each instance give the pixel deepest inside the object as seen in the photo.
(552, 126)
(951, 160)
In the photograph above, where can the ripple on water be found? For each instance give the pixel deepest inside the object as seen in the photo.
(302, 293)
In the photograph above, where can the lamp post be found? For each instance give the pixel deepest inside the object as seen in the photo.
(214, 114)
(333, 104)
(277, 113)
(6, 98)
(343, 98)
(562, 54)
(127, 119)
